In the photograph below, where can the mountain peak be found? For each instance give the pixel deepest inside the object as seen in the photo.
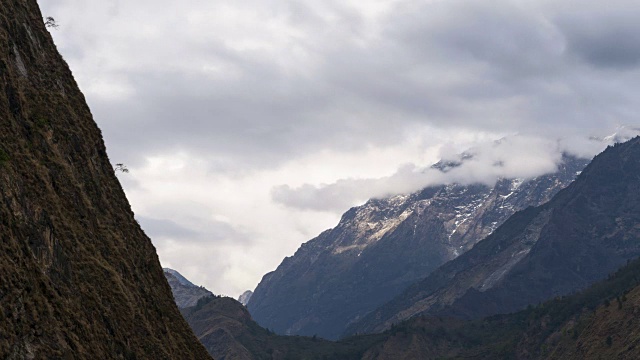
(178, 276)
(581, 235)
(380, 248)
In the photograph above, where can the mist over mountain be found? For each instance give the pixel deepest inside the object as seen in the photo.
(245, 297)
(597, 322)
(585, 232)
(380, 248)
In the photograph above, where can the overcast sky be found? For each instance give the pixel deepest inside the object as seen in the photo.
(250, 126)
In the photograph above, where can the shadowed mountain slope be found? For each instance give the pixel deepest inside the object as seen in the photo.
(80, 279)
(599, 322)
(585, 232)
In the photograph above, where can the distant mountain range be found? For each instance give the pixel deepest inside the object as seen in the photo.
(382, 247)
(567, 249)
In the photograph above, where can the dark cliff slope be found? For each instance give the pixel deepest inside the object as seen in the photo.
(600, 322)
(585, 232)
(379, 249)
(80, 279)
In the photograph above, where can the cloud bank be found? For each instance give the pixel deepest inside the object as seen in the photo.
(237, 113)
(510, 157)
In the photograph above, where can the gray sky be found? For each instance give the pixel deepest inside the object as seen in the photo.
(250, 126)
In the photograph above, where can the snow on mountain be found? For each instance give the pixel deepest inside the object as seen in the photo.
(380, 248)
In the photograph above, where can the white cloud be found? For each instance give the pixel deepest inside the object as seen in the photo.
(213, 104)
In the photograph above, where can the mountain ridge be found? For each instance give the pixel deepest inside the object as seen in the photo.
(380, 248)
(554, 249)
(598, 322)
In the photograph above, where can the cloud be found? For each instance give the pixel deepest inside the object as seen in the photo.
(510, 157)
(210, 230)
(233, 116)
(259, 83)
(604, 38)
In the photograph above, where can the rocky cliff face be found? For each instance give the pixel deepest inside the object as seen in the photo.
(185, 293)
(585, 232)
(379, 249)
(80, 279)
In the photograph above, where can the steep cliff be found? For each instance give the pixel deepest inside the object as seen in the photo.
(80, 279)
(600, 322)
(379, 249)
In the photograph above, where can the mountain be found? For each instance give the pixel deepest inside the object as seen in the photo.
(382, 247)
(80, 279)
(598, 322)
(181, 279)
(584, 233)
(226, 329)
(219, 323)
(245, 297)
(185, 293)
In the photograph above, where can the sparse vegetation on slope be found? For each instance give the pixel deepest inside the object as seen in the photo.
(80, 279)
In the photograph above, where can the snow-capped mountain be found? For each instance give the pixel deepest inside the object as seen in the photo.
(582, 235)
(380, 248)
